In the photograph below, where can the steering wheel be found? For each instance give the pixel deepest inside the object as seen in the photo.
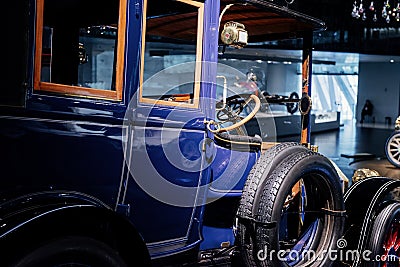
(292, 107)
(230, 111)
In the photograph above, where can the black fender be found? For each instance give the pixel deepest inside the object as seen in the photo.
(363, 201)
(31, 220)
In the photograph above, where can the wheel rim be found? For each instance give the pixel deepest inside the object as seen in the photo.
(307, 222)
(391, 245)
(283, 232)
(393, 149)
(295, 255)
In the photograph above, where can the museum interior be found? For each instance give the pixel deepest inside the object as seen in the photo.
(357, 58)
(123, 143)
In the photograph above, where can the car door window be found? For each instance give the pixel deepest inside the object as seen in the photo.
(80, 47)
(172, 51)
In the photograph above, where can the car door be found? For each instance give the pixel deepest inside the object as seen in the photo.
(165, 128)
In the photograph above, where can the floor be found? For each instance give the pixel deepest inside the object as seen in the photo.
(355, 146)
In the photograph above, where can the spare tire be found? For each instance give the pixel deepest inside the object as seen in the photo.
(299, 214)
(259, 173)
(385, 237)
(252, 191)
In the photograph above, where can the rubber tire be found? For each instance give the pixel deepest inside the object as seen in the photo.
(387, 145)
(380, 228)
(274, 193)
(259, 173)
(252, 192)
(293, 107)
(323, 175)
(80, 250)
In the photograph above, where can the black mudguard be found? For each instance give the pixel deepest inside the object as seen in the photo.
(32, 219)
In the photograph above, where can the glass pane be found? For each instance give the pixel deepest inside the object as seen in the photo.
(170, 51)
(79, 43)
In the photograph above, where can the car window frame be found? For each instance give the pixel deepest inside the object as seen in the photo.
(71, 90)
(198, 63)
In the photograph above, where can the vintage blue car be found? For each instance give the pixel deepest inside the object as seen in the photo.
(124, 143)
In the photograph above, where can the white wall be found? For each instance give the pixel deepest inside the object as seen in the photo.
(379, 82)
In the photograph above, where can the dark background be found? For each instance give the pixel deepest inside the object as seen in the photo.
(347, 34)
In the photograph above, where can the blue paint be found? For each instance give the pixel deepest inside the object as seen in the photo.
(214, 237)
(107, 152)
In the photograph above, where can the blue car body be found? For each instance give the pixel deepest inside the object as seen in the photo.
(73, 161)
